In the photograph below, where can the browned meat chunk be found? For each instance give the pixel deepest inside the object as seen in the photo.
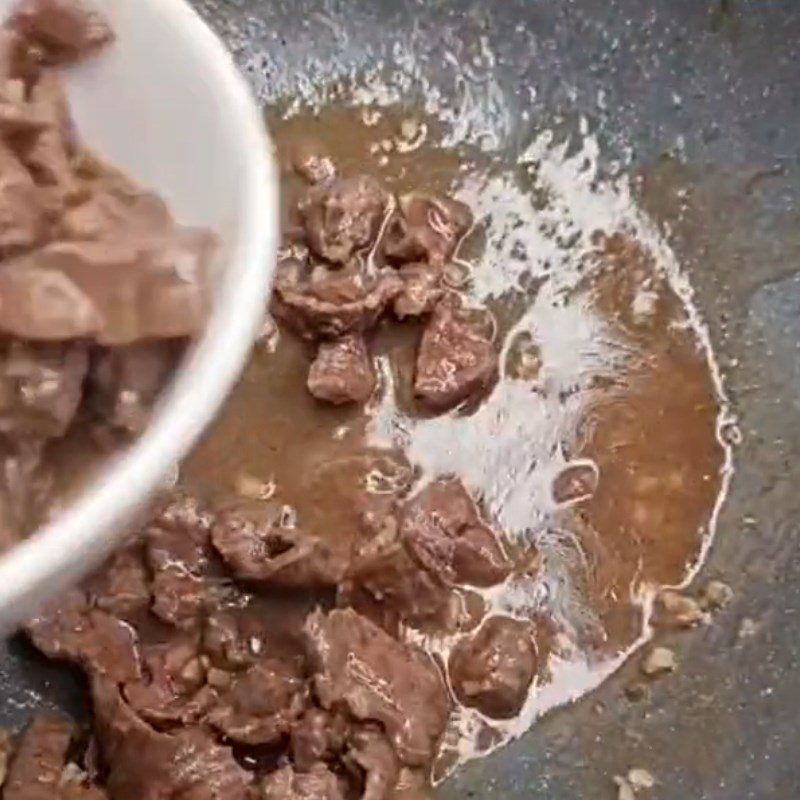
(328, 304)
(232, 641)
(70, 629)
(64, 29)
(41, 386)
(342, 371)
(125, 381)
(144, 764)
(173, 689)
(261, 703)
(422, 290)
(373, 754)
(317, 736)
(384, 570)
(261, 550)
(23, 221)
(38, 762)
(343, 216)
(121, 585)
(378, 678)
(455, 359)
(493, 670)
(312, 163)
(114, 293)
(426, 229)
(177, 546)
(48, 154)
(444, 533)
(319, 783)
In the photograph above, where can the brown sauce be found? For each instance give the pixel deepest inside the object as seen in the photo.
(603, 375)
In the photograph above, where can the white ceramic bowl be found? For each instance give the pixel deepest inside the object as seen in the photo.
(167, 104)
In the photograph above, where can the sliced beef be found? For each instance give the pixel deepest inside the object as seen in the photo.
(23, 213)
(144, 764)
(343, 216)
(112, 292)
(493, 670)
(260, 704)
(261, 550)
(178, 550)
(456, 359)
(173, 688)
(422, 289)
(319, 783)
(318, 735)
(121, 585)
(125, 381)
(328, 304)
(71, 629)
(442, 529)
(426, 228)
(342, 371)
(38, 762)
(377, 678)
(371, 751)
(41, 386)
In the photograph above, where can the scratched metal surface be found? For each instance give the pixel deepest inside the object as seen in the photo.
(715, 84)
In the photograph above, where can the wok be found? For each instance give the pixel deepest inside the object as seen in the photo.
(700, 99)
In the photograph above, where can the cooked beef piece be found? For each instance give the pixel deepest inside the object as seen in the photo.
(48, 154)
(121, 585)
(20, 68)
(384, 570)
(426, 228)
(575, 483)
(380, 679)
(370, 750)
(444, 533)
(455, 359)
(311, 163)
(318, 735)
(27, 485)
(177, 546)
(422, 289)
(412, 784)
(113, 292)
(38, 762)
(64, 29)
(319, 783)
(230, 640)
(261, 550)
(41, 386)
(343, 216)
(18, 61)
(260, 704)
(79, 789)
(173, 688)
(342, 371)
(493, 669)
(125, 381)
(144, 764)
(329, 304)
(23, 217)
(71, 629)
(112, 209)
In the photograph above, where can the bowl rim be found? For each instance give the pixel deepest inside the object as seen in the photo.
(82, 535)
